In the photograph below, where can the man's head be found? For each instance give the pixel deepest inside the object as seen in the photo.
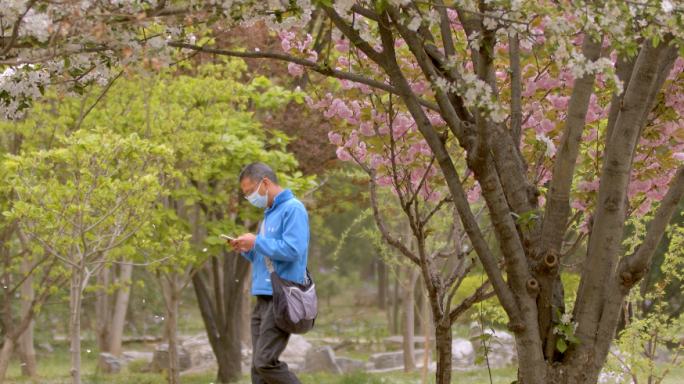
(260, 178)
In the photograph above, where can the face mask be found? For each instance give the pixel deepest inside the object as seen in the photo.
(257, 200)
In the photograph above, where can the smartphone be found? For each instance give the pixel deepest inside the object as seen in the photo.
(226, 237)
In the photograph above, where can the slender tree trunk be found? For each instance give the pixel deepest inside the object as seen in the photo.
(395, 307)
(5, 356)
(247, 308)
(102, 317)
(171, 323)
(426, 355)
(443, 341)
(120, 309)
(382, 285)
(408, 328)
(26, 350)
(75, 325)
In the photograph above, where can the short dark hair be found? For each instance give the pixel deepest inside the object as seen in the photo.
(257, 172)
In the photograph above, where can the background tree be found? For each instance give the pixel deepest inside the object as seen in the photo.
(85, 199)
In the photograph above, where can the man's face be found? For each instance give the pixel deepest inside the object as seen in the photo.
(249, 186)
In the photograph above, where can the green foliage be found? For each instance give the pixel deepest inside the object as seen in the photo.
(649, 334)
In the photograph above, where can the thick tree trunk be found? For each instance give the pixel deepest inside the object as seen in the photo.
(26, 350)
(382, 285)
(120, 309)
(443, 341)
(221, 307)
(5, 356)
(102, 318)
(75, 325)
(408, 312)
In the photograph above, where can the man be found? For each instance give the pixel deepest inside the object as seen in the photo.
(284, 238)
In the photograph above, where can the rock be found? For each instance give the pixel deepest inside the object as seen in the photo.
(350, 365)
(200, 350)
(160, 359)
(46, 346)
(393, 359)
(296, 350)
(462, 354)
(321, 359)
(503, 350)
(108, 363)
(294, 368)
(397, 342)
(128, 356)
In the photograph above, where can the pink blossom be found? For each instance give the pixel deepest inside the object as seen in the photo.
(559, 102)
(366, 128)
(589, 186)
(375, 160)
(384, 181)
(678, 156)
(419, 87)
(286, 37)
(578, 205)
(335, 138)
(643, 209)
(436, 120)
(360, 152)
(541, 201)
(474, 194)
(546, 126)
(591, 136)
(656, 194)
(353, 140)
(295, 69)
(342, 154)
(342, 45)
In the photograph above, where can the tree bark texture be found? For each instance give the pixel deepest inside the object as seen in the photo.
(382, 285)
(102, 311)
(75, 324)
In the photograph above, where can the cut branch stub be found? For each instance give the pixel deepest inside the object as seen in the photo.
(551, 260)
(532, 287)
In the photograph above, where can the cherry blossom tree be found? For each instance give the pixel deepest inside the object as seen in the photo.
(562, 117)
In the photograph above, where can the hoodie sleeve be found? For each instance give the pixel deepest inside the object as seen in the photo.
(249, 255)
(294, 241)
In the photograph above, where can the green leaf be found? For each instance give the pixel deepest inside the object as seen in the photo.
(479, 360)
(560, 344)
(8, 214)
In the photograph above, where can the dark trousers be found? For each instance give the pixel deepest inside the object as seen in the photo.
(268, 343)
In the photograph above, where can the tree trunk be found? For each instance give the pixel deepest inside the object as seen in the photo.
(247, 308)
(382, 285)
(102, 311)
(26, 350)
(443, 341)
(221, 309)
(172, 335)
(120, 309)
(395, 308)
(408, 312)
(75, 325)
(5, 356)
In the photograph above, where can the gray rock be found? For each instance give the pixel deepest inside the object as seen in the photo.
(128, 356)
(294, 368)
(321, 359)
(200, 350)
(393, 359)
(160, 360)
(296, 350)
(397, 342)
(503, 351)
(46, 346)
(108, 363)
(350, 365)
(462, 354)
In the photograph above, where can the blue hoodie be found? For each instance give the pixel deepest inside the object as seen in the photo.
(285, 239)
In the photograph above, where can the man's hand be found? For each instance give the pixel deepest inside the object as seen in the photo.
(243, 243)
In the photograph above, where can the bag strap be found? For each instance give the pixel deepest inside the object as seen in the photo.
(269, 263)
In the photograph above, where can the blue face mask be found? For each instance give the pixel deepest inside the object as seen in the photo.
(257, 200)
